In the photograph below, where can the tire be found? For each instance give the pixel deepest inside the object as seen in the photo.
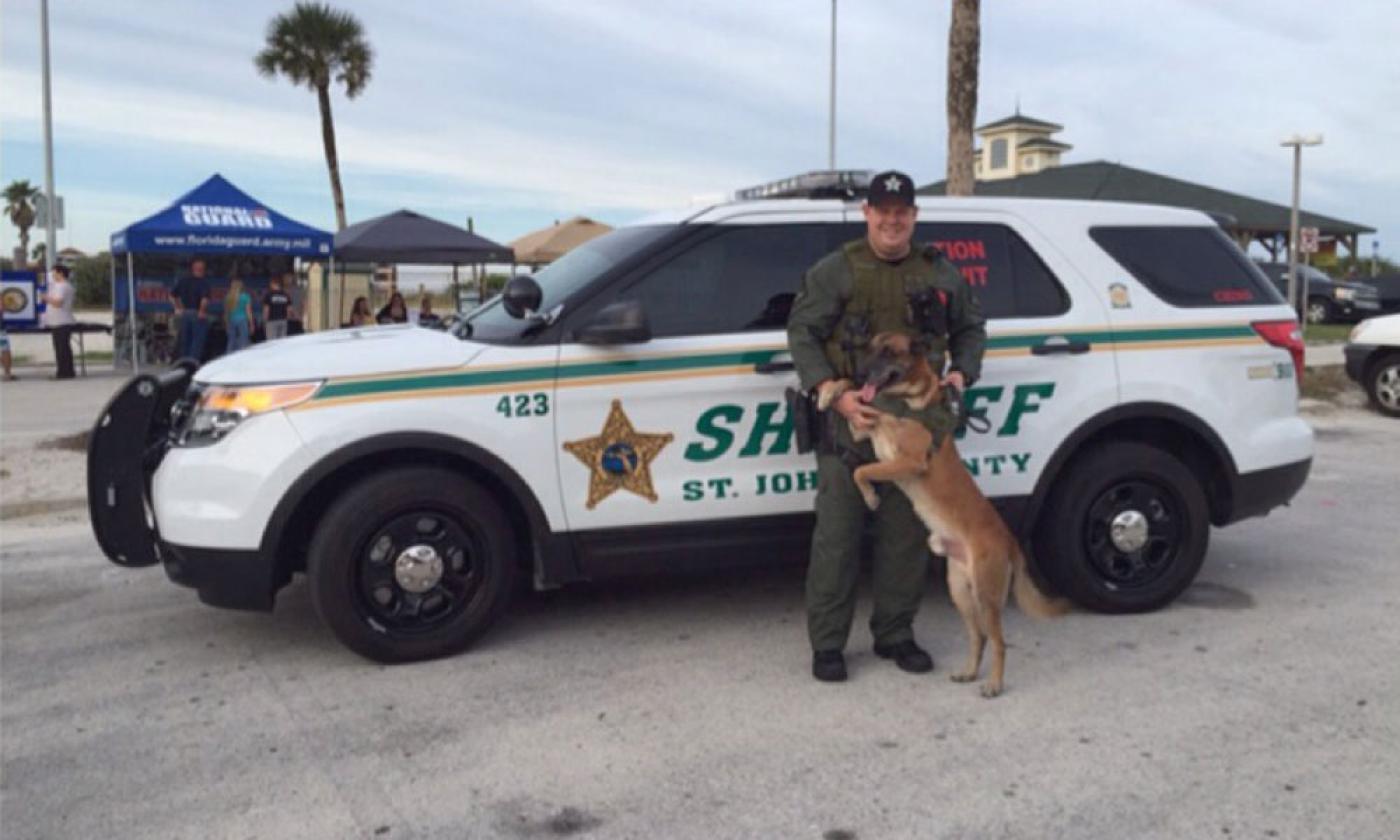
(1383, 384)
(410, 564)
(1075, 545)
(1321, 311)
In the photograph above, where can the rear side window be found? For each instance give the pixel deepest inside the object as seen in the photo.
(1007, 277)
(1187, 266)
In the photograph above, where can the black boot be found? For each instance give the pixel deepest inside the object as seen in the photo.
(907, 655)
(829, 666)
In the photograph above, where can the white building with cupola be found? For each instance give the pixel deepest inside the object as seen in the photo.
(1017, 145)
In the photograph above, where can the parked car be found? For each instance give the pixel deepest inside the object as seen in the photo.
(1329, 301)
(1373, 361)
(1389, 287)
(625, 413)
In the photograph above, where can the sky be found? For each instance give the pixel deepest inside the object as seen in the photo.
(519, 113)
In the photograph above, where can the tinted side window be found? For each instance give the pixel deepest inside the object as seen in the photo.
(740, 279)
(1008, 278)
(1187, 266)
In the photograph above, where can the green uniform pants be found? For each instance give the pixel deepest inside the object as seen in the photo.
(901, 557)
(900, 561)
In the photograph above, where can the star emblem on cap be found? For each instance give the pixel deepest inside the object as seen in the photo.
(892, 183)
(619, 457)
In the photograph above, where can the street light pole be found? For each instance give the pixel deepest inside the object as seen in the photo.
(1297, 142)
(831, 129)
(49, 223)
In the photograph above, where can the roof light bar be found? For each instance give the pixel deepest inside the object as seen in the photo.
(822, 183)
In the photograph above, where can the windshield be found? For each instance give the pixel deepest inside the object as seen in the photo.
(562, 279)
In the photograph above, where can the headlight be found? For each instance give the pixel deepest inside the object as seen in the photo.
(1344, 294)
(222, 407)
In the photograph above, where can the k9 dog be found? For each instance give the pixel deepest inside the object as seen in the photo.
(984, 559)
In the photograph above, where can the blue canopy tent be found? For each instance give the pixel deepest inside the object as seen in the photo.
(213, 218)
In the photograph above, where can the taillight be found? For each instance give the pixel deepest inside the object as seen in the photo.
(1285, 334)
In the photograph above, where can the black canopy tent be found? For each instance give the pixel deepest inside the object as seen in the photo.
(411, 238)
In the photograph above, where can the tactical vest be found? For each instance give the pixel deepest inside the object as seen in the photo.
(903, 298)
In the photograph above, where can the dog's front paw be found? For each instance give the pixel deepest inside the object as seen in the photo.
(963, 676)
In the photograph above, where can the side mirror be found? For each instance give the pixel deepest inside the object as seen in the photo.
(623, 322)
(522, 296)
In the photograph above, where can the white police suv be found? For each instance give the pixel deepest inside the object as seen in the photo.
(623, 412)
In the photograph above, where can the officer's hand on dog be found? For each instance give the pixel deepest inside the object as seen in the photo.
(955, 379)
(860, 415)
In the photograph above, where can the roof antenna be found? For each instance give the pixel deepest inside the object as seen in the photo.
(1018, 104)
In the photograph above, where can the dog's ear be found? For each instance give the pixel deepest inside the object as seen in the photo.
(918, 346)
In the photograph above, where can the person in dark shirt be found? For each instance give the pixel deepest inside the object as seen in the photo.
(277, 304)
(190, 297)
(394, 312)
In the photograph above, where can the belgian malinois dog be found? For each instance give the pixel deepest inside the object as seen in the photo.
(985, 561)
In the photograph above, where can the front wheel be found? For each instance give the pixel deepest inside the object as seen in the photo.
(1383, 384)
(1321, 311)
(412, 563)
(1126, 530)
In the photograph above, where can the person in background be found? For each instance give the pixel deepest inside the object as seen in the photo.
(360, 316)
(58, 317)
(190, 297)
(6, 360)
(277, 304)
(426, 316)
(238, 315)
(394, 312)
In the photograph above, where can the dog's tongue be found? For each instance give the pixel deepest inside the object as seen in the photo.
(867, 392)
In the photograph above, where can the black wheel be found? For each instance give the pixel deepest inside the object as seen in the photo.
(412, 563)
(1321, 311)
(1383, 384)
(1126, 529)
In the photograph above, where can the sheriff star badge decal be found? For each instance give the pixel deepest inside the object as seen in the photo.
(618, 457)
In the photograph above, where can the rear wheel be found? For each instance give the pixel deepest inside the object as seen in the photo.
(1126, 531)
(412, 563)
(1383, 384)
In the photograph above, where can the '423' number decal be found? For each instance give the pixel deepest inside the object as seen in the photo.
(523, 405)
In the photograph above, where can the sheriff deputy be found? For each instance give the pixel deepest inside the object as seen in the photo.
(881, 283)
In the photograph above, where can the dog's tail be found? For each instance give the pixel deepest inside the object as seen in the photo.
(1029, 598)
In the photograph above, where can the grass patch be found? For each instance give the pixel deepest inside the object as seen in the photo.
(1326, 333)
(68, 443)
(1325, 383)
(98, 355)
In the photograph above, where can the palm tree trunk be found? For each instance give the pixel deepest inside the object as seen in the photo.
(964, 43)
(323, 96)
(23, 247)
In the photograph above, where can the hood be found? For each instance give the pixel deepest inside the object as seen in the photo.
(344, 352)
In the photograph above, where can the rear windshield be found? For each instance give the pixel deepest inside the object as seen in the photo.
(1188, 266)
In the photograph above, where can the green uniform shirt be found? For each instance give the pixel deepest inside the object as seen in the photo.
(854, 282)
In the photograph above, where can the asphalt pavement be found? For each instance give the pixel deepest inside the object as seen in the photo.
(1264, 703)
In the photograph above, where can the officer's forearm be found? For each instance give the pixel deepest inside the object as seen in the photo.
(965, 352)
(808, 358)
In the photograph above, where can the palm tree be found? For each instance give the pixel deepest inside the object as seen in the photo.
(315, 45)
(19, 206)
(964, 43)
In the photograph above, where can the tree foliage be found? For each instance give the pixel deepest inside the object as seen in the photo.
(314, 46)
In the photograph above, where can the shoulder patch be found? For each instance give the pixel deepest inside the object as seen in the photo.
(930, 253)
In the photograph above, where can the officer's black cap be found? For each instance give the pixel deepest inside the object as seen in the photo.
(891, 187)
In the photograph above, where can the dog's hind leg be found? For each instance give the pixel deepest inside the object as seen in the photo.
(990, 589)
(960, 587)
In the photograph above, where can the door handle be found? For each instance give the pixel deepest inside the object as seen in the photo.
(774, 367)
(1060, 344)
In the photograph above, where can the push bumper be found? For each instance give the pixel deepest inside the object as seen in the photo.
(1256, 493)
(126, 445)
